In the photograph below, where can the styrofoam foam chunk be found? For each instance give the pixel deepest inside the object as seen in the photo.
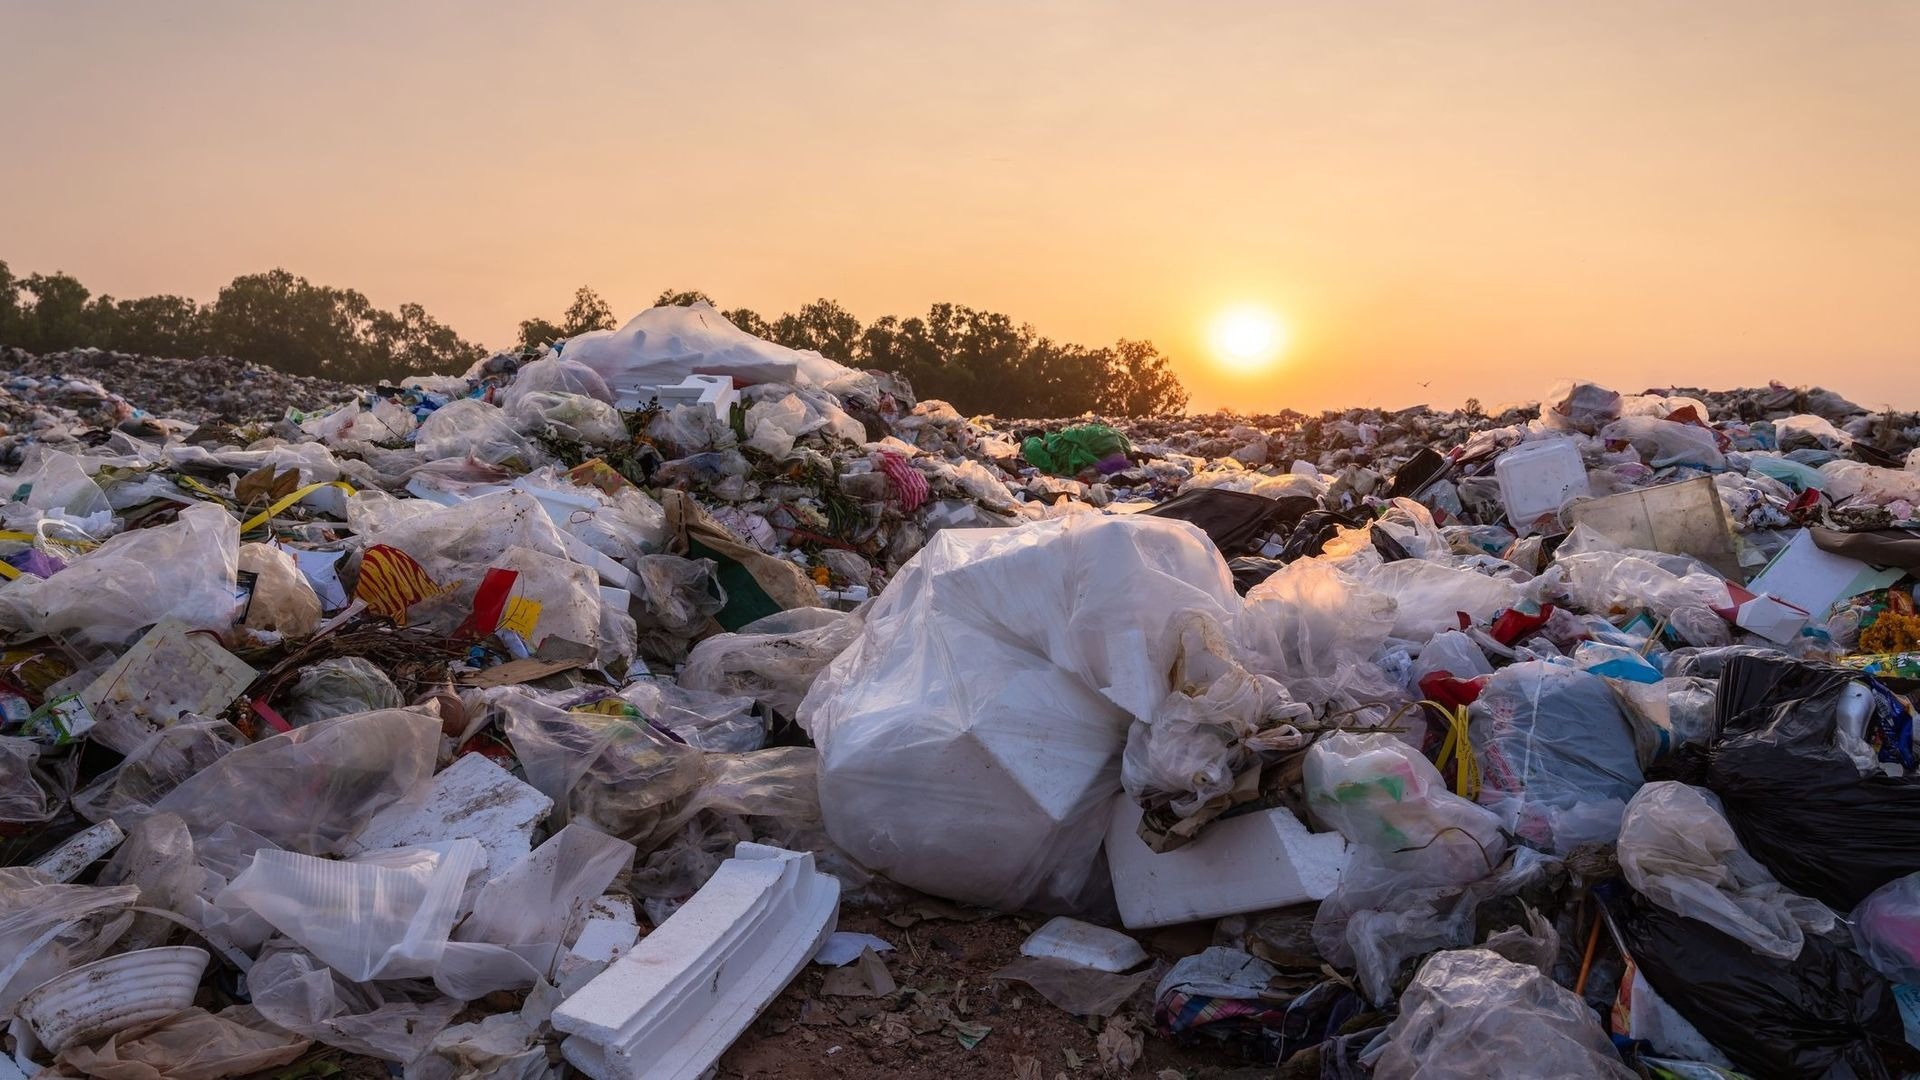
(1252, 862)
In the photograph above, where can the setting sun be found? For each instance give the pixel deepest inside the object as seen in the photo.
(1248, 338)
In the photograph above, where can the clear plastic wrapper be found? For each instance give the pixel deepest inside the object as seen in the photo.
(469, 428)
(341, 686)
(555, 374)
(774, 660)
(1316, 630)
(47, 928)
(311, 789)
(298, 993)
(128, 792)
(571, 416)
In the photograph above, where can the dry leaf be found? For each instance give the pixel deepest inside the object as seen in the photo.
(1027, 1068)
(1118, 1047)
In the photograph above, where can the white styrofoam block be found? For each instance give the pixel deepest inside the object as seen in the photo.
(610, 930)
(1252, 862)
(676, 1001)
(1812, 579)
(471, 799)
(1084, 945)
(715, 392)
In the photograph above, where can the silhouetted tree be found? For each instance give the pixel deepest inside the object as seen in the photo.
(676, 298)
(587, 312)
(823, 326)
(57, 315)
(1140, 382)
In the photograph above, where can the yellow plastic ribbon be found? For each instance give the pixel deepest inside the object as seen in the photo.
(1466, 781)
(262, 517)
(10, 572)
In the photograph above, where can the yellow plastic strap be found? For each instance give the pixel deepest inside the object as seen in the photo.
(261, 518)
(7, 571)
(1466, 781)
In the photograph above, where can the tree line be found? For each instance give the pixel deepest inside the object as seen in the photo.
(980, 361)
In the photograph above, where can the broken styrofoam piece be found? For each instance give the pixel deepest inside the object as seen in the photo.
(112, 994)
(1084, 945)
(80, 851)
(610, 930)
(714, 392)
(673, 1004)
(1251, 862)
(844, 947)
(471, 799)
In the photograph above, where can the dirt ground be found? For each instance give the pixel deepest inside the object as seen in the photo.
(947, 1019)
(945, 999)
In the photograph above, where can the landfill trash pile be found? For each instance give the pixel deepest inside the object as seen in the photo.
(598, 711)
(103, 389)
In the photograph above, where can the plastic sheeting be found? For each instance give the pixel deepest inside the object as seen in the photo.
(662, 346)
(774, 660)
(1316, 630)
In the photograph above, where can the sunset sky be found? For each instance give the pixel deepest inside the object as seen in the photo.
(1477, 197)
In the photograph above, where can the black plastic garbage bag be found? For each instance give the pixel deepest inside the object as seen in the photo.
(1797, 801)
(1824, 1014)
(1234, 520)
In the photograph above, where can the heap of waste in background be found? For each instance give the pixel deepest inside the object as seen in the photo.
(546, 718)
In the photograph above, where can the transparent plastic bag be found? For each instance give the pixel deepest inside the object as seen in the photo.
(192, 1044)
(455, 544)
(282, 601)
(311, 789)
(47, 928)
(1677, 849)
(705, 720)
(381, 915)
(1661, 443)
(52, 481)
(470, 428)
(572, 416)
(157, 856)
(677, 596)
(553, 373)
(1429, 596)
(298, 993)
(24, 800)
(1316, 630)
(1886, 929)
(1384, 795)
(1557, 756)
(970, 738)
(128, 792)
(108, 596)
(1471, 1013)
(341, 686)
(765, 661)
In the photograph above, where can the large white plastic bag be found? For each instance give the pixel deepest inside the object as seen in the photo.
(1471, 1014)
(1428, 596)
(573, 416)
(1886, 929)
(1557, 756)
(472, 428)
(970, 738)
(108, 596)
(1677, 849)
(311, 789)
(1316, 630)
(662, 346)
(1666, 442)
(382, 915)
(53, 481)
(555, 374)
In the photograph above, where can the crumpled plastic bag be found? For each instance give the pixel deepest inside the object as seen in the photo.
(454, 545)
(1471, 1014)
(706, 720)
(572, 416)
(470, 428)
(339, 686)
(192, 1044)
(53, 481)
(108, 596)
(128, 792)
(774, 660)
(294, 991)
(1429, 596)
(24, 799)
(47, 928)
(991, 691)
(311, 789)
(1677, 850)
(1667, 442)
(1886, 929)
(558, 374)
(1557, 757)
(1316, 630)
(282, 600)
